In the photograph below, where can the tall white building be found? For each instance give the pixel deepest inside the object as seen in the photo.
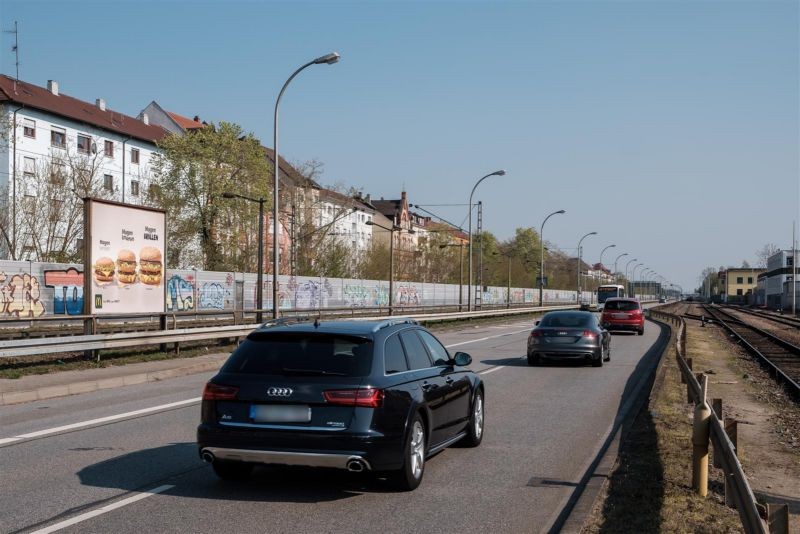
(56, 145)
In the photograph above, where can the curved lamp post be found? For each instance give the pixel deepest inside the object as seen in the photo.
(616, 273)
(633, 276)
(541, 269)
(628, 285)
(578, 296)
(327, 59)
(470, 288)
(601, 255)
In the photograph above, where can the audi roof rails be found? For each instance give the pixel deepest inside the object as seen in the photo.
(284, 321)
(392, 322)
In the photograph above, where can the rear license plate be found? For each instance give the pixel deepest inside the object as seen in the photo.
(285, 413)
(619, 315)
(561, 339)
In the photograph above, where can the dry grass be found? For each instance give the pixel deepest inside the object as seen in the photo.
(650, 488)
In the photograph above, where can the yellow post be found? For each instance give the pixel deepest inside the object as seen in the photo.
(700, 436)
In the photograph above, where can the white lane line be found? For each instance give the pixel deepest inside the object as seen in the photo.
(100, 420)
(487, 337)
(103, 510)
(491, 370)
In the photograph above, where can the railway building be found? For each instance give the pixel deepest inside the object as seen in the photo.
(779, 280)
(738, 285)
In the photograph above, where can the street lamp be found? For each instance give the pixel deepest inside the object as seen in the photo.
(628, 285)
(578, 297)
(328, 59)
(460, 271)
(501, 172)
(260, 280)
(391, 231)
(601, 254)
(541, 269)
(633, 276)
(616, 273)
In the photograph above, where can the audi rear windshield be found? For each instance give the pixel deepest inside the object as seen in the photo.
(302, 354)
(622, 305)
(566, 320)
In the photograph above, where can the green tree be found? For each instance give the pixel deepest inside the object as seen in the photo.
(190, 176)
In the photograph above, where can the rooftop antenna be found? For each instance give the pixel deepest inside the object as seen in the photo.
(15, 49)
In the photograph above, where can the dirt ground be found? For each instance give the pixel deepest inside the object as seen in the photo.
(769, 421)
(650, 488)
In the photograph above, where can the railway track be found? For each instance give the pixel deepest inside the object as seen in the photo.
(769, 316)
(778, 355)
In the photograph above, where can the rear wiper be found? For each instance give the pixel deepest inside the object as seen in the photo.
(312, 372)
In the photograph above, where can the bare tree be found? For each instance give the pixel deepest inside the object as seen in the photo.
(763, 254)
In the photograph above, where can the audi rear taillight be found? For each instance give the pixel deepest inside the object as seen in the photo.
(536, 333)
(589, 334)
(217, 392)
(363, 397)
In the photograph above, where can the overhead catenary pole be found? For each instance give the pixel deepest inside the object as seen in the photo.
(469, 268)
(541, 267)
(328, 59)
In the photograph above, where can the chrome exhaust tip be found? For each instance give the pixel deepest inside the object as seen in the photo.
(356, 466)
(207, 457)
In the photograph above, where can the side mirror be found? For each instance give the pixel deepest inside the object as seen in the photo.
(536, 323)
(462, 359)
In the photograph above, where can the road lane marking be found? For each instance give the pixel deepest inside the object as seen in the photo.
(144, 411)
(100, 420)
(491, 370)
(487, 337)
(104, 509)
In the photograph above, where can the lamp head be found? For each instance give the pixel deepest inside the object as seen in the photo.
(592, 233)
(501, 172)
(330, 59)
(369, 223)
(562, 212)
(226, 194)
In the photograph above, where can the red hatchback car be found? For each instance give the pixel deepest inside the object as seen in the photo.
(623, 314)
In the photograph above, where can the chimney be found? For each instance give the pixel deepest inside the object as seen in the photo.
(52, 86)
(145, 119)
(101, 104)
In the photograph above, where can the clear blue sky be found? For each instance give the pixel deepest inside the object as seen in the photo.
(670, 128)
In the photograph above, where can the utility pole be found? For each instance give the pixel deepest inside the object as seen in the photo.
(794, 270)
(15, 49)
(479, 293)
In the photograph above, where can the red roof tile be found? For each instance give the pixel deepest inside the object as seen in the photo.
(33, 96)
(185, 122)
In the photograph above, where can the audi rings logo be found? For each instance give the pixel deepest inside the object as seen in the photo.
(279, 392)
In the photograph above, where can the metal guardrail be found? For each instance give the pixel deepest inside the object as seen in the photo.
(53, 345)
(737, 489)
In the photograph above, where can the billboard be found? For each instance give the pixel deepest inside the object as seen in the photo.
(126, 247)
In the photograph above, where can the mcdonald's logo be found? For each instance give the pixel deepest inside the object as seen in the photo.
(98, 301)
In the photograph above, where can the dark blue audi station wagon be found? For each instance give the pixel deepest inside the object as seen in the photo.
(380, 396)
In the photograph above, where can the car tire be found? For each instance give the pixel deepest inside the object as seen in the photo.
(476, 421)
(410, 475)
(232, 470)
(598, 362)
(640, 332)
(607, 355)
(533, 360)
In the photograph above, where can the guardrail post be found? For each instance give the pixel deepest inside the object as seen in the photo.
(716, 405)
(731, 431)
(778, 518)
(700, 434)
(162, 324)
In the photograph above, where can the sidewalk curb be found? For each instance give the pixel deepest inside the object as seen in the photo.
(75, 388)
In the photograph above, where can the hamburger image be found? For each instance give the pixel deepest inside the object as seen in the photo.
(126, 266)
(104, 270)
(150, 267)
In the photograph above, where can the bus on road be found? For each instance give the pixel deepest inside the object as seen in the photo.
(608, 291)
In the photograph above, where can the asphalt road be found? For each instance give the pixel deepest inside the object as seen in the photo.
(140, 472)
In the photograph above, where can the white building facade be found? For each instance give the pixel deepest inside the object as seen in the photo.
(56, 145)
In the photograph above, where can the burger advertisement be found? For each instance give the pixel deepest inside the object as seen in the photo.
(126, 254)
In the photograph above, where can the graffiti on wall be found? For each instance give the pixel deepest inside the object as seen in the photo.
(20, 296)
(180, 293)
(360, 295)
(212, 296)
(407, 295)
(67, 287)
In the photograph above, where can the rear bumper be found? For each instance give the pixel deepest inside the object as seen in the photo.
(548, 354)
(307, 459)
(314, 449)
(634, 326)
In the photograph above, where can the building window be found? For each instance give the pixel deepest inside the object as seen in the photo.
(134, 188)
(789, 261)
(58, 174)
(739, 292)
(29, 128)
(58, 137)
(134, 155)
(109, 149)
(108, 182)
(740, 279)
(749, 279)
(84, 143)
(28, 167)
